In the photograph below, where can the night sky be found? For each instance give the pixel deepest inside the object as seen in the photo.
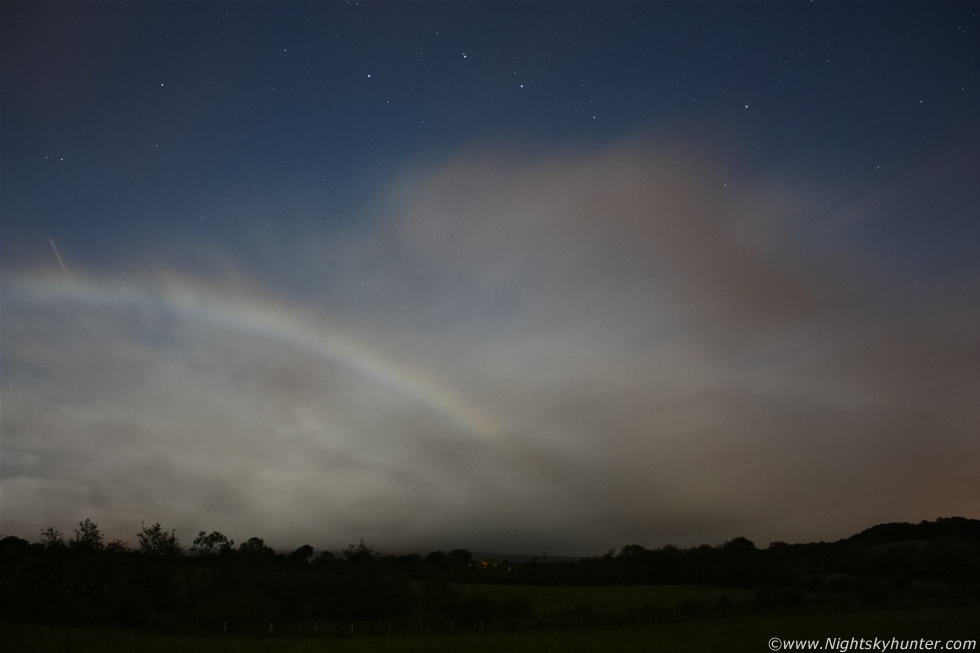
(519, 277)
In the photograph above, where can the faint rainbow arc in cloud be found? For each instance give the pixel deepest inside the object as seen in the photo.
(264, 318)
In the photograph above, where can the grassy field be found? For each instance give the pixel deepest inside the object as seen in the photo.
(607, 601)
(728, 633)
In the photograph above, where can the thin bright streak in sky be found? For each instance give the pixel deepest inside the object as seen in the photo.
(58, 255)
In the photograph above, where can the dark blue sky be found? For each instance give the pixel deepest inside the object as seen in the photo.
(119, 118)
(597, 225)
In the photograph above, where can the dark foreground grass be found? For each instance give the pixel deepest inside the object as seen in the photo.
(607, 600)
(730, 633)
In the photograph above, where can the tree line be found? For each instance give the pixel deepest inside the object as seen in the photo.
(83, 580)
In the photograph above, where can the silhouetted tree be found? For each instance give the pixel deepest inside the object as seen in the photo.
(369, 587)
(631, 551)
(439, 600)
(13, 544)
(360, 553)
(255, 546)
(739, 544)
(87, 537)
(117, 546)
(324, 560)
(51, 538)
(459, 558)
(212, 543)
(157, 542)
(300, 556)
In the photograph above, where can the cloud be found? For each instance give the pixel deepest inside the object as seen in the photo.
(564, 351)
